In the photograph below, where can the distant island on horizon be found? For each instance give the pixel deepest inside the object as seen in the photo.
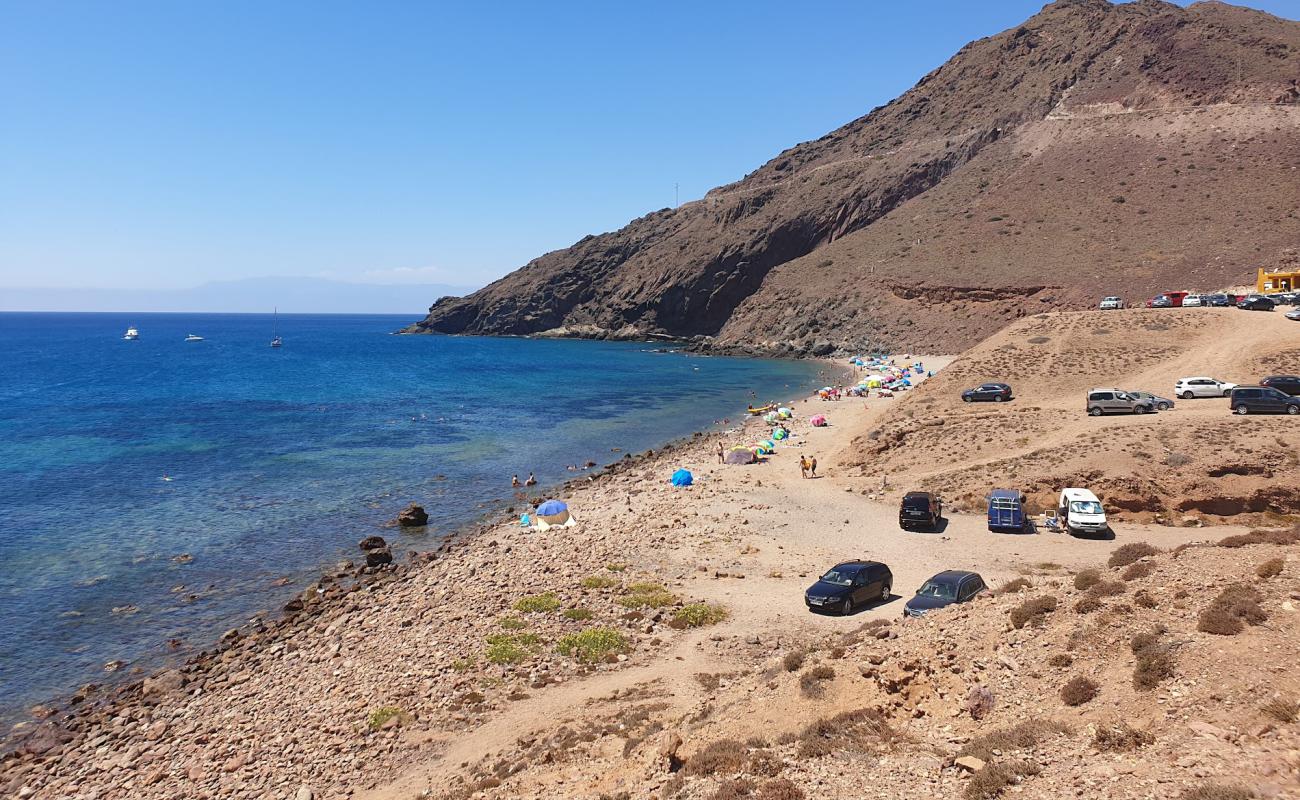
(250, 295)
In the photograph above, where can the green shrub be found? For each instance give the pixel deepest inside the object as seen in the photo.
(538, 603)
(599, 582)
(381, 715)
(505, 648)
(578, 614)
(592, 644)
(647, 595)
(697, 615)
(512, 623)
(616, 567)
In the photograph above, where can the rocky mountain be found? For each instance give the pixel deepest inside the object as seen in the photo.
(1095, 149)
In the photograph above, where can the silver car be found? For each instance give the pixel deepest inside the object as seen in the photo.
(1160, 403)
(1187, 388)
(1116, 401)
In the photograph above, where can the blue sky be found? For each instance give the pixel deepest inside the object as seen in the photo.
(164, 144)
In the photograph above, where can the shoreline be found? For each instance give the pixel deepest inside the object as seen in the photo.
(103, 697)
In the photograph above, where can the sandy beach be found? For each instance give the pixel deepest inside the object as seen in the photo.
(392, 682)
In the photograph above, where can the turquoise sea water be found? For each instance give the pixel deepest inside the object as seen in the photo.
(280, 461)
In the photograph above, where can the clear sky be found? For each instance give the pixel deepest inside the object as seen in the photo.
(162, 144)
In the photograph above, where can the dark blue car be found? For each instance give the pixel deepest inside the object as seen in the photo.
(848, 585)
(944, 589)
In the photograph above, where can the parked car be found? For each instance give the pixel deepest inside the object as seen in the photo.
(1187, 388)
(1287, 384)
(920, 509)
(1160, 301)
(1256, 303)
(848, 585)
(1217, 300)
(1161, 403)
(1192, 301)
(1007, 511)
(1116, 401)
(1262, 400)
(1081, 512)
(997, 392)
(1112, 302)
(948, 587)
(1295, 315)
(1286, 298)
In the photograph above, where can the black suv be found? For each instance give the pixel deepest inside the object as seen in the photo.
(1218, 300)
(847, 585)
(948, 587)
(1290, 384)
(1256, 304)
(997, 392)
(920, 509)
(1262, 400)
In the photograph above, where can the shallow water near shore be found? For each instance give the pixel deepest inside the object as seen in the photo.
(120, 459)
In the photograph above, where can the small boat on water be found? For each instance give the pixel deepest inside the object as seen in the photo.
(760, 411)
(131, 334)
(276, 341)
(193, 338)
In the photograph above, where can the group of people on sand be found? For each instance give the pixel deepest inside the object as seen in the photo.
(514, 481)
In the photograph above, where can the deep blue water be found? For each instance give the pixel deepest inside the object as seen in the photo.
(279, 460)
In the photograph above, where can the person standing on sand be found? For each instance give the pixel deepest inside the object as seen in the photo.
(807, 466)
(722, 455)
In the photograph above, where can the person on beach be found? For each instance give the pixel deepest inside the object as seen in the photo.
(514, 481)
(807, 466)
(722, 455)
(531, 480)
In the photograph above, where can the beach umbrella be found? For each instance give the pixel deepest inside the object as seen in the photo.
(740, 455)
(769, 417)
(683, 477)
(818, 421)
(764, 449)
(770, 444)
(552, 507)
(778, 434)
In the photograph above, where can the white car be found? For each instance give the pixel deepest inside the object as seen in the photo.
(1187, 388)
(1293, 314)
(1111, 302)
(1192, 301)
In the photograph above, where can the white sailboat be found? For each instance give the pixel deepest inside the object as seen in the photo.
(193, 338)
(275, 330)
(131, 334)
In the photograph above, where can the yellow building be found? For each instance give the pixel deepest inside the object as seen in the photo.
(1277, 281)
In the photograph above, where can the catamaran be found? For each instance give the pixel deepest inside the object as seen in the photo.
(131, 334)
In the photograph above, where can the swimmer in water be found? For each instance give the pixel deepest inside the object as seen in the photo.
(514, 481)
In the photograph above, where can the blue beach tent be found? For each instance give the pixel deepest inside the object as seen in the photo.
(683, 477)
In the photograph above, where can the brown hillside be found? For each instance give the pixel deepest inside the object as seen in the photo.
(1097, 148)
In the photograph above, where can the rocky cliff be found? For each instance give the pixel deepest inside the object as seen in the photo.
(1095, 149)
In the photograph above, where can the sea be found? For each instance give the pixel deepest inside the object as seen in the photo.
(154, 493)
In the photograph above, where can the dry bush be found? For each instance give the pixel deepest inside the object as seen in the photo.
(1087, 579)
(1155, 659)
(1061, 660)
(1217, 791)
(708, 680)
(1021, 736)
(1120, 737)
(1144, 598)
(1033, 610)
(1263, 536)
(1138, 570)
(779, 789)
(764, 764)
(793, 660)
(1271, 568)
(1281, 709)
(733, 789)
(1107, 589)
(990, 781)
(1011, 587)
(979, 702)
(1129, 553)
(1079, 690)
(810, 683)
(1087, 604)
(1229, 613)
(851, 730)
(673, 787)
(721, 757)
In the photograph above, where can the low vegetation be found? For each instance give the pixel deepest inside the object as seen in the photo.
(810, 682)
(592, 644)
(506, 648)
(1033, 611)
(1271, 568)
(1014, 586)
(1155, 659)
(1217, 791)
(1120, 737)
(1282, 709)
(993, 779)
(1087, 579)
(647, 595)
(538, 603)
(793, 660)
(383, 714)
(512, 623)
(1129, 553)
(1263, 536)
(722, 757)
(599, 582)
(576, 614)
(697, 615)
(1235, 607)
(1021, 736)
(853, 731)
(1138, 570)
(1079, 690)
(779, 789)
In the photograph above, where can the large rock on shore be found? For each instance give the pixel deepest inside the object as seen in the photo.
(413, 516)
(376, 549)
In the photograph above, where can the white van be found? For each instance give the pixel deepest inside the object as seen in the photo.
(1081, 512)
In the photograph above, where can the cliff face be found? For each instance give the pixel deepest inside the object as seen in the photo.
(1095, 149)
